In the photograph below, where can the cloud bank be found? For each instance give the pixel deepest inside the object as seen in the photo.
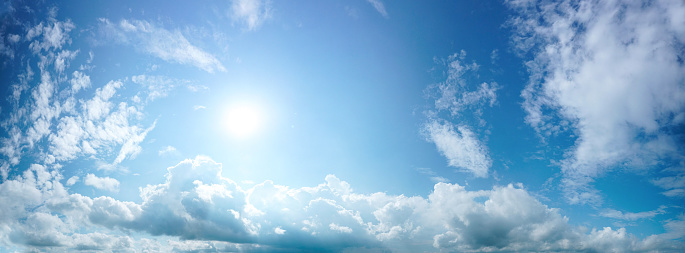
(196, 203)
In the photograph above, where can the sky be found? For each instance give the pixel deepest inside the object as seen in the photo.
(342, 126)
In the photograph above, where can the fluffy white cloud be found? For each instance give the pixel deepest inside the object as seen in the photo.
(195, 203)
(79, 81)
(52, 35)
(102, 183)
(612, 73)
(250, 13)
(167, 45)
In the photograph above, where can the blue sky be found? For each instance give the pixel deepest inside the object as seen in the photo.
(342, 126)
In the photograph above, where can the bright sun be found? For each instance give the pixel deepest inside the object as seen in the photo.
(243, 120)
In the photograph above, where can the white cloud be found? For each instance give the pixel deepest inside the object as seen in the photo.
(433, 176)
(102, 183)
(630, 216)
(250, 13)
(167, 150)
(167, 45)
(131, 147)
(199, 107)
(65, 144)
(674, 185)
(72, 180)
(157, 86)
(52, 35)
(196, 202)
(339, 228)
(379, 6)
(460, 146)
(79, 81)
(609, 71)
(62, 60)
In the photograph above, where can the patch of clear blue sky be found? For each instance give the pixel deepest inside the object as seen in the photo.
(344, 94)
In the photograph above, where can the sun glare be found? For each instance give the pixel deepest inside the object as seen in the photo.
(243, 120)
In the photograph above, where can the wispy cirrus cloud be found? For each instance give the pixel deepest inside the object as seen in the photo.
(168, 45)
(631, 216)
(379, 6)
(610, 73)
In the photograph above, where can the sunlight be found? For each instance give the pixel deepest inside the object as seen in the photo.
(243, 120)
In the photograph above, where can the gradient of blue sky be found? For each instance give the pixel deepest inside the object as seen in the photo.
(404, 126)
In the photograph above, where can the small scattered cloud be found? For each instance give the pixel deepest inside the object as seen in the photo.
(102, 183)
(72, 180)
(199, 107)
(674, 185)
(432, 175)
(457, 99)
(460, 146)
(630, 216)
(379, 6)
(250, 13)
(168, 150)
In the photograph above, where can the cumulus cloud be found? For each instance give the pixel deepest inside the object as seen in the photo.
(157, 41)
(207, 211)
(250, 13)
(102, 183)
(609, 72)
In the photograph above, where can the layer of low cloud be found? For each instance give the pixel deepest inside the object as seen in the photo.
(610, 73)
(196, 203)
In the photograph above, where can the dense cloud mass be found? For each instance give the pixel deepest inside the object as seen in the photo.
(196, 203)
(612, 73)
